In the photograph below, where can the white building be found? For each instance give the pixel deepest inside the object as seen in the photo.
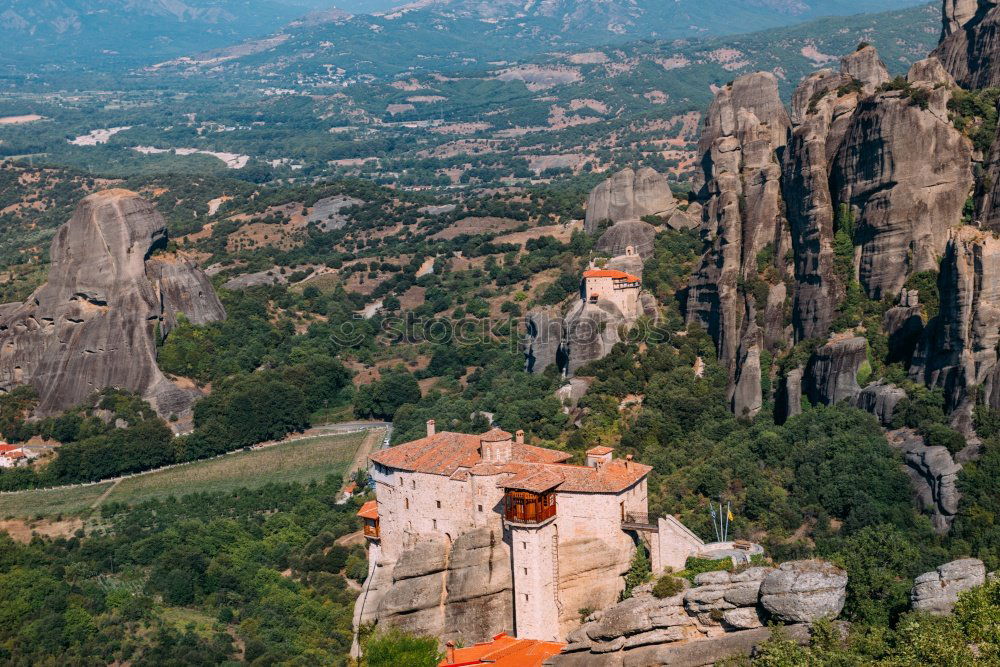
(449, 483)
(618, 287)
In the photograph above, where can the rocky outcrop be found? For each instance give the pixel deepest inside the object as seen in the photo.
(744, 136)
(880, 399)
(959, 348)
(621, 236)
(832, 374)
(904, 325)
(459, 592)
(933, 475)
(936, 592)
(544, 335)
(970, 42)
(183, 290)
(804, 591)
(92, 324)
(955, 14)
(686, 219)
(905, 173)
(592, 329)
(747, 398)
(722, 615)
(629, 195)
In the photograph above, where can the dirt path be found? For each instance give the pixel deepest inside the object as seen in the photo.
(350, 539)
(104, 496)
(373, 439)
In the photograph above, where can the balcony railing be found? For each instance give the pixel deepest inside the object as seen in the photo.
(527, 507)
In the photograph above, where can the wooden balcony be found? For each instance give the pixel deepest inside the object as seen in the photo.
(525, 507)
(371, 529)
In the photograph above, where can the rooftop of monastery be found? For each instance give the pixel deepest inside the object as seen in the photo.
(530, 468)
(503, 651)
(611, 273)
(445, 453)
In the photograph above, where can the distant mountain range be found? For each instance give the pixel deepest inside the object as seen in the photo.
(104, 34)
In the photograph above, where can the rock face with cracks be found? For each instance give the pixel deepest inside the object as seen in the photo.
(629, 195)
(93, 324)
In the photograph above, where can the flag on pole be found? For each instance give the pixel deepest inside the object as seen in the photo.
(730, 517)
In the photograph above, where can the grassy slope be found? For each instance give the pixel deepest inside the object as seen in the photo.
(299, 461)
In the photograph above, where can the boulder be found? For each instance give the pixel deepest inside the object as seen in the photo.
(880, 398)
(621, 236)
(629, 195)
(936, 592)
(689, 219)
(92, 324)
(804, 591)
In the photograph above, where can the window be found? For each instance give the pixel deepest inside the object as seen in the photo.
(480, 508)
(525, 571)
(525, 597)
(406, 503)
(524, 545)
(401, 480)
(413, 483)
(434, 523)
(439, 504)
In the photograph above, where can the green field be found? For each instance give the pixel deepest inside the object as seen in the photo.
(299, 461)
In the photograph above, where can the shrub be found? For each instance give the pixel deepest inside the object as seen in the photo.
(667, 586)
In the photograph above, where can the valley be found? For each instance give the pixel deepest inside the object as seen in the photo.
(672, 332)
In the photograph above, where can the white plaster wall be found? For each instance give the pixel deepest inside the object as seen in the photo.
(536, 615)
(411, 504)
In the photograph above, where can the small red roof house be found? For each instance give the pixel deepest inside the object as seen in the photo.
(503, 651)
(369, 510)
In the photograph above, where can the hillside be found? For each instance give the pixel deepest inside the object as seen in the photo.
(452, 124)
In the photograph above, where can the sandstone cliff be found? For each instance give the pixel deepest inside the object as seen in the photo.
(743, 216)
(959, 348)
(629, 195)
(970, 42)
(905, 172)
(93, 323)
(460, 591)
(822, 109)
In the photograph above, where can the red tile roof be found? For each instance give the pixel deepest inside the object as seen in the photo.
(599, 451)
(505, 651)
(369, 510)
(533, 469)
(4, 447)
(444, 453)
(495, 435)
(613, 477)
(611, 273)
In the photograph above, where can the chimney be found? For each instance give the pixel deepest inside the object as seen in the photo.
(628, 459)
(450, 646)
(430, 427)
(519, 437)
